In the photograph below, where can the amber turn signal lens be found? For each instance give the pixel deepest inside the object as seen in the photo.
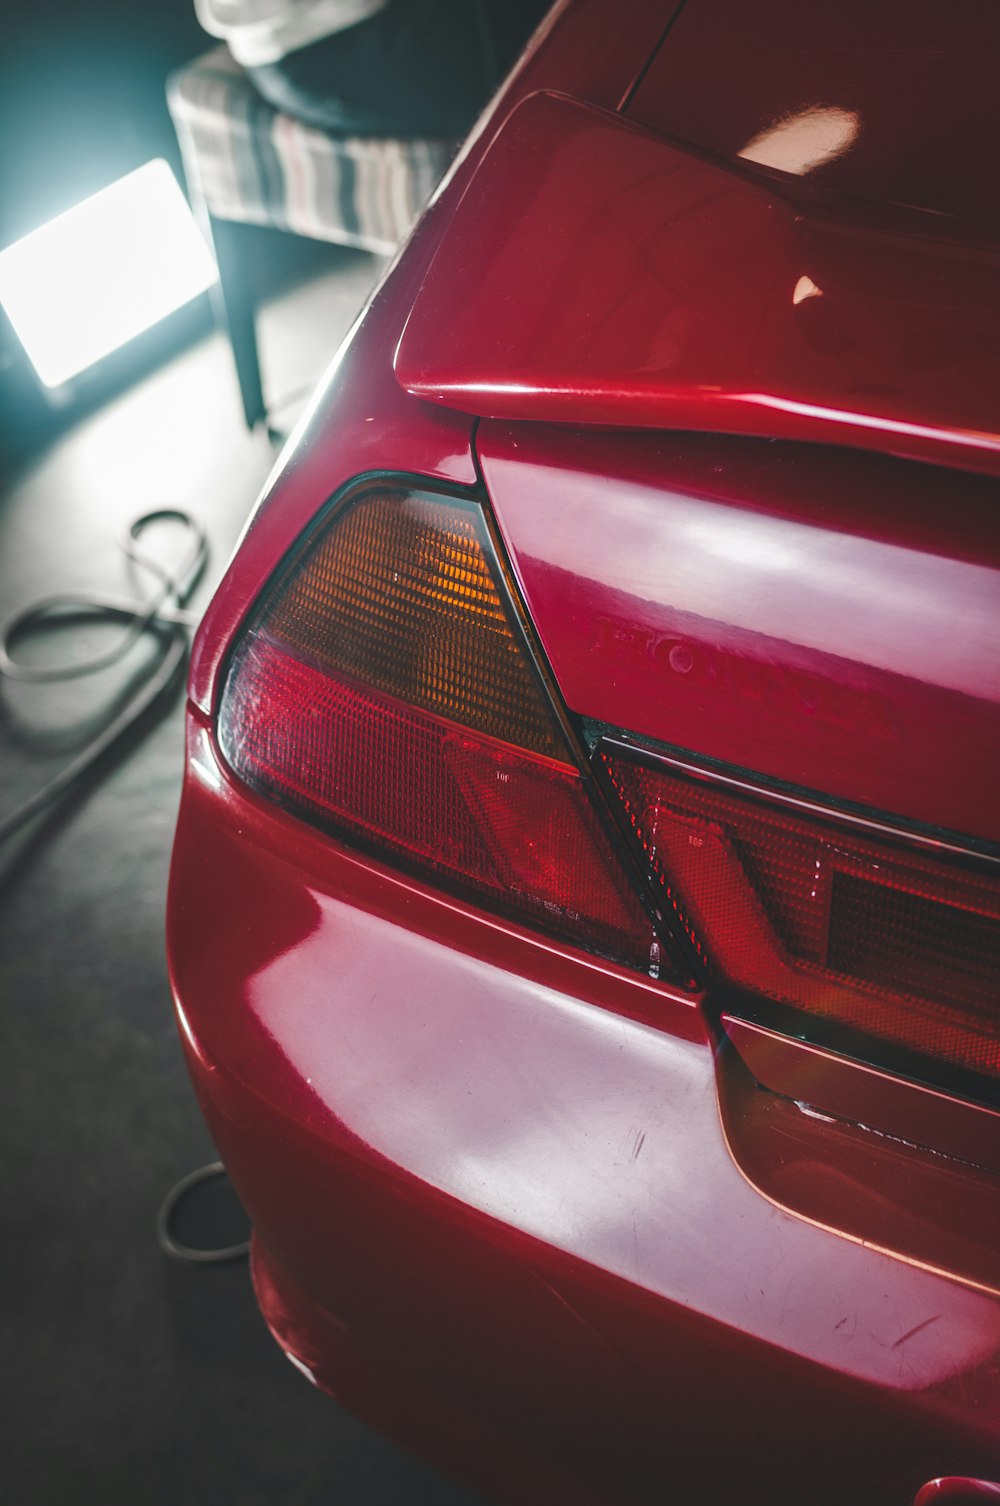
(400, 595)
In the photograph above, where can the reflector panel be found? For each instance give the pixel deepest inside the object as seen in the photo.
(900, 943)
(512, 829)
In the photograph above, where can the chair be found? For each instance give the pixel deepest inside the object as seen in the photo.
(247, 163)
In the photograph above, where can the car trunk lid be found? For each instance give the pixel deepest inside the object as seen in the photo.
(598, 273)
(893, 105)
(826, 620)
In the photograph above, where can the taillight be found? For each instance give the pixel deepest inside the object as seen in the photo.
(384, 689)
(895, 938)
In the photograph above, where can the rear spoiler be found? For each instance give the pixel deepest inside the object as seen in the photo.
(596, 273)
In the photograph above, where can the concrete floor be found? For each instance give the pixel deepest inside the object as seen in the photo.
(127, 1379)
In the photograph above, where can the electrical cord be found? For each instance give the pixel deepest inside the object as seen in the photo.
(163, 612)
(176, 1249)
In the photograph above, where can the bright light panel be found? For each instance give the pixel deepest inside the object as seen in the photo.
(93, 278)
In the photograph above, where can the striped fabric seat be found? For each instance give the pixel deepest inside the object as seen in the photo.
(250, 163)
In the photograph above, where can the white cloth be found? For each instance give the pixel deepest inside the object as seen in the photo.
(263, 31)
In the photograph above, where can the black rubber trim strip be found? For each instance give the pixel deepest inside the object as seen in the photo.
(781, 792)
(636, 83)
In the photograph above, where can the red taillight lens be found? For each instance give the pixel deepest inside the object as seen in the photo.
(900, 943)
(384, 689)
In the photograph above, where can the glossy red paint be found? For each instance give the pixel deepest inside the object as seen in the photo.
(557, 1224)
(958, 1492)
(385, 1072)
(824, 619)
(849, 1090)
(804, 1160)
(912, 81)
(643, 285)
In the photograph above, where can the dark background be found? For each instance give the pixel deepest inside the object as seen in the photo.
(125, 1379)
(82, 103)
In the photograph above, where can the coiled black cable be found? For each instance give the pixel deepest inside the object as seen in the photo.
(176, 1249)
(163, 612)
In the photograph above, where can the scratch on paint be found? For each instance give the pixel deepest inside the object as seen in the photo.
(911, 1331)
(640, 1142)
(602, 1338)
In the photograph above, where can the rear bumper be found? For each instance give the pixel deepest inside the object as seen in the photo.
(499, 1212)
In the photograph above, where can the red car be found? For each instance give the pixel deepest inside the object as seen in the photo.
(585, 909)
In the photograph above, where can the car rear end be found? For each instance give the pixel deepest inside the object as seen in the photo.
(585, 909)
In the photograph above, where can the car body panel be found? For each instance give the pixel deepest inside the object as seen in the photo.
(827, 620)
(378, 1069)
(534, 1214)
(644, 285)
(913, 81)
(857, 1094)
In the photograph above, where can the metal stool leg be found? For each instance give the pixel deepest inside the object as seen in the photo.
(234, 311)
